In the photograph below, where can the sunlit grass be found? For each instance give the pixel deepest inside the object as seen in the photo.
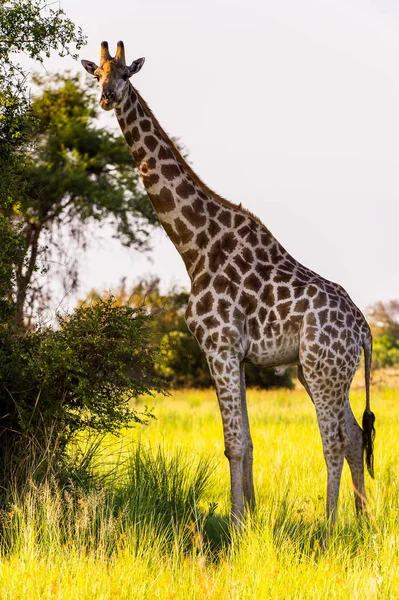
(154, 523)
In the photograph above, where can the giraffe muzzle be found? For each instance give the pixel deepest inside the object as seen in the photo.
(108, 100)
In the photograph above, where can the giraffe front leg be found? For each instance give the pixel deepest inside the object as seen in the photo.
(225, 371)
(249, 492)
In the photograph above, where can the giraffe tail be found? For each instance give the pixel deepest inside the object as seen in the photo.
(368, 416)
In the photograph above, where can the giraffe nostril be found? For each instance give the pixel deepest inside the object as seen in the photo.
(109, 96)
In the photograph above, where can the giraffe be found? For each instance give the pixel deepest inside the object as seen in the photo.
(250, 300)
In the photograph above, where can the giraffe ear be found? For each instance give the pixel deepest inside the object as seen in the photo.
(136, 66)
(89, 66)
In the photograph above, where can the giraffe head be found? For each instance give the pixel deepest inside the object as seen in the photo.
(113, 74)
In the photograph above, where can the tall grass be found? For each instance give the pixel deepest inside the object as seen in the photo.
(152, 521)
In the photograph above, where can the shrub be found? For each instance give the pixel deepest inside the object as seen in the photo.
(55, 383)
(385, 352)
(182, 361)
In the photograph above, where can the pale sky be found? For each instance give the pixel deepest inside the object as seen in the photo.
(289, 107)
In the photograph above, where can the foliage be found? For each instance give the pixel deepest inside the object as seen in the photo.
(86, 171)
(81, 375)
(181, 360)
(73, 172)
(34, 29)
(385, 352)
(11, 250)
(383, 318)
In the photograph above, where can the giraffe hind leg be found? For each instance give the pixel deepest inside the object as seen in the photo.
(303, 381)
(334, 443)
(329, 403)
(355, 459)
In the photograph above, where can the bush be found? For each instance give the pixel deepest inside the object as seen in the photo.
(385, 352)
(55, 383)
(182, 361)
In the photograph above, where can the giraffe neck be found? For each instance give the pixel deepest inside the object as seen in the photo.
(204, 227)
(181, 203)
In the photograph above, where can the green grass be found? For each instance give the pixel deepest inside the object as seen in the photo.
(153, 523)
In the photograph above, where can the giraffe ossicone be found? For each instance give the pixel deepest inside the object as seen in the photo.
(250, 300)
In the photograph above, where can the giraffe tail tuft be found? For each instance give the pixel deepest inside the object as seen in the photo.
(368, 416)
(368, 440)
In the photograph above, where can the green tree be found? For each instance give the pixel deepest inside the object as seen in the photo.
(35, 29)
(11, 249)
(383, 318)
(73, 173)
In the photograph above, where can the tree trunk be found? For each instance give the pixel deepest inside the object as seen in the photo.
(24, 271)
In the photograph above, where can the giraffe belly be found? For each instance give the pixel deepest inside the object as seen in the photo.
(273, 353)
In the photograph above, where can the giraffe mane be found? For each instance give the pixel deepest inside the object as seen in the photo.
(190, 171)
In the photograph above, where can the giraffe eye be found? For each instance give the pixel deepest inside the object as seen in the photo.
(125, 76)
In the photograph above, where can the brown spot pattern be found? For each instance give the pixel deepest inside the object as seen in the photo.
(170, 171)
(185, 189)
(183, 232)
(151, 142)
(164, 201)
(194, 217)
(204, 304)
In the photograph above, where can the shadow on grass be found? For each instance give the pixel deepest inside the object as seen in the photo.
(314, 537)
(148, 498)
(217, 535)
(167, 494)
